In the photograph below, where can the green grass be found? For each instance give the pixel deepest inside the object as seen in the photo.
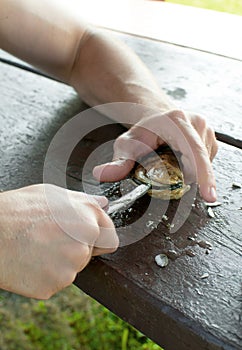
(230, 6)
(68, 321)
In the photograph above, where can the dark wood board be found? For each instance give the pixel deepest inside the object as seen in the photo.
(174, 306)
(32, 110)
(197, 311)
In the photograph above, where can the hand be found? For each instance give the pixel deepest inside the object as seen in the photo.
(186, 133)
(38, 257)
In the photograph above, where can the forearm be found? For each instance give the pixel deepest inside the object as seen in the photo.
(52, 36)
(44, 33)
(106, 70)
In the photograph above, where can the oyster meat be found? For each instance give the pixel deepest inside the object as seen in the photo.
(164, 174)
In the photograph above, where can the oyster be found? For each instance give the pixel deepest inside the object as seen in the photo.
(164, 175)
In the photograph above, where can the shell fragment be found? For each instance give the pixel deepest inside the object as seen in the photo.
(213, 204)
(161, 260)
(210, 212)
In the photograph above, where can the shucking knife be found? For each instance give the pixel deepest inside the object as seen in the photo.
(128, 199)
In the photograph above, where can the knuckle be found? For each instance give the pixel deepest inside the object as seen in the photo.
(79, 255)
(177, 115)
(200, 122)
(122, 147)
(122, 139)
(211, 135)
(69, 279)
(125, 141)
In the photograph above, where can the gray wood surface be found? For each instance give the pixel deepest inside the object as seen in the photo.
(175, 306)
(196, 81)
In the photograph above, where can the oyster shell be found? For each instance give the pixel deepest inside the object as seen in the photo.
(164, 175)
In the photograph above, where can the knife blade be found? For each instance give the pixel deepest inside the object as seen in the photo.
(128, 199)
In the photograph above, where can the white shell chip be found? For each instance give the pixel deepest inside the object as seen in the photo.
(210, 212)
(161, 260)
(213, 204)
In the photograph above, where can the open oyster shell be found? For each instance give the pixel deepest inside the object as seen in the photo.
(164, 174)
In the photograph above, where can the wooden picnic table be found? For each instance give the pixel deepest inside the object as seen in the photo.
(194, 303)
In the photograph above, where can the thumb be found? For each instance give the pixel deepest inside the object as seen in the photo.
(113, 171)
(124, 156)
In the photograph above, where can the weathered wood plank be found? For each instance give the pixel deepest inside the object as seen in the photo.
(201, 286)
(196, 81)
(32, 109)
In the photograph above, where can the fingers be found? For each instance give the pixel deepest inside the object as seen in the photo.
(189, 135)
(59, 230)
(175, 128)
(211, 143)
(82, 218)
(206, 134)
(113, 171)
(105, 239)
(123, 160)
(96, 235)
(127, 149)
(197, 145)
(209, 148)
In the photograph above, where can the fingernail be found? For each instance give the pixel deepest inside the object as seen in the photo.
(100, 169)
(97, 171)
(212, 193)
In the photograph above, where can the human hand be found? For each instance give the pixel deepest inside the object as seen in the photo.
(186, 133)
(38, 258)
